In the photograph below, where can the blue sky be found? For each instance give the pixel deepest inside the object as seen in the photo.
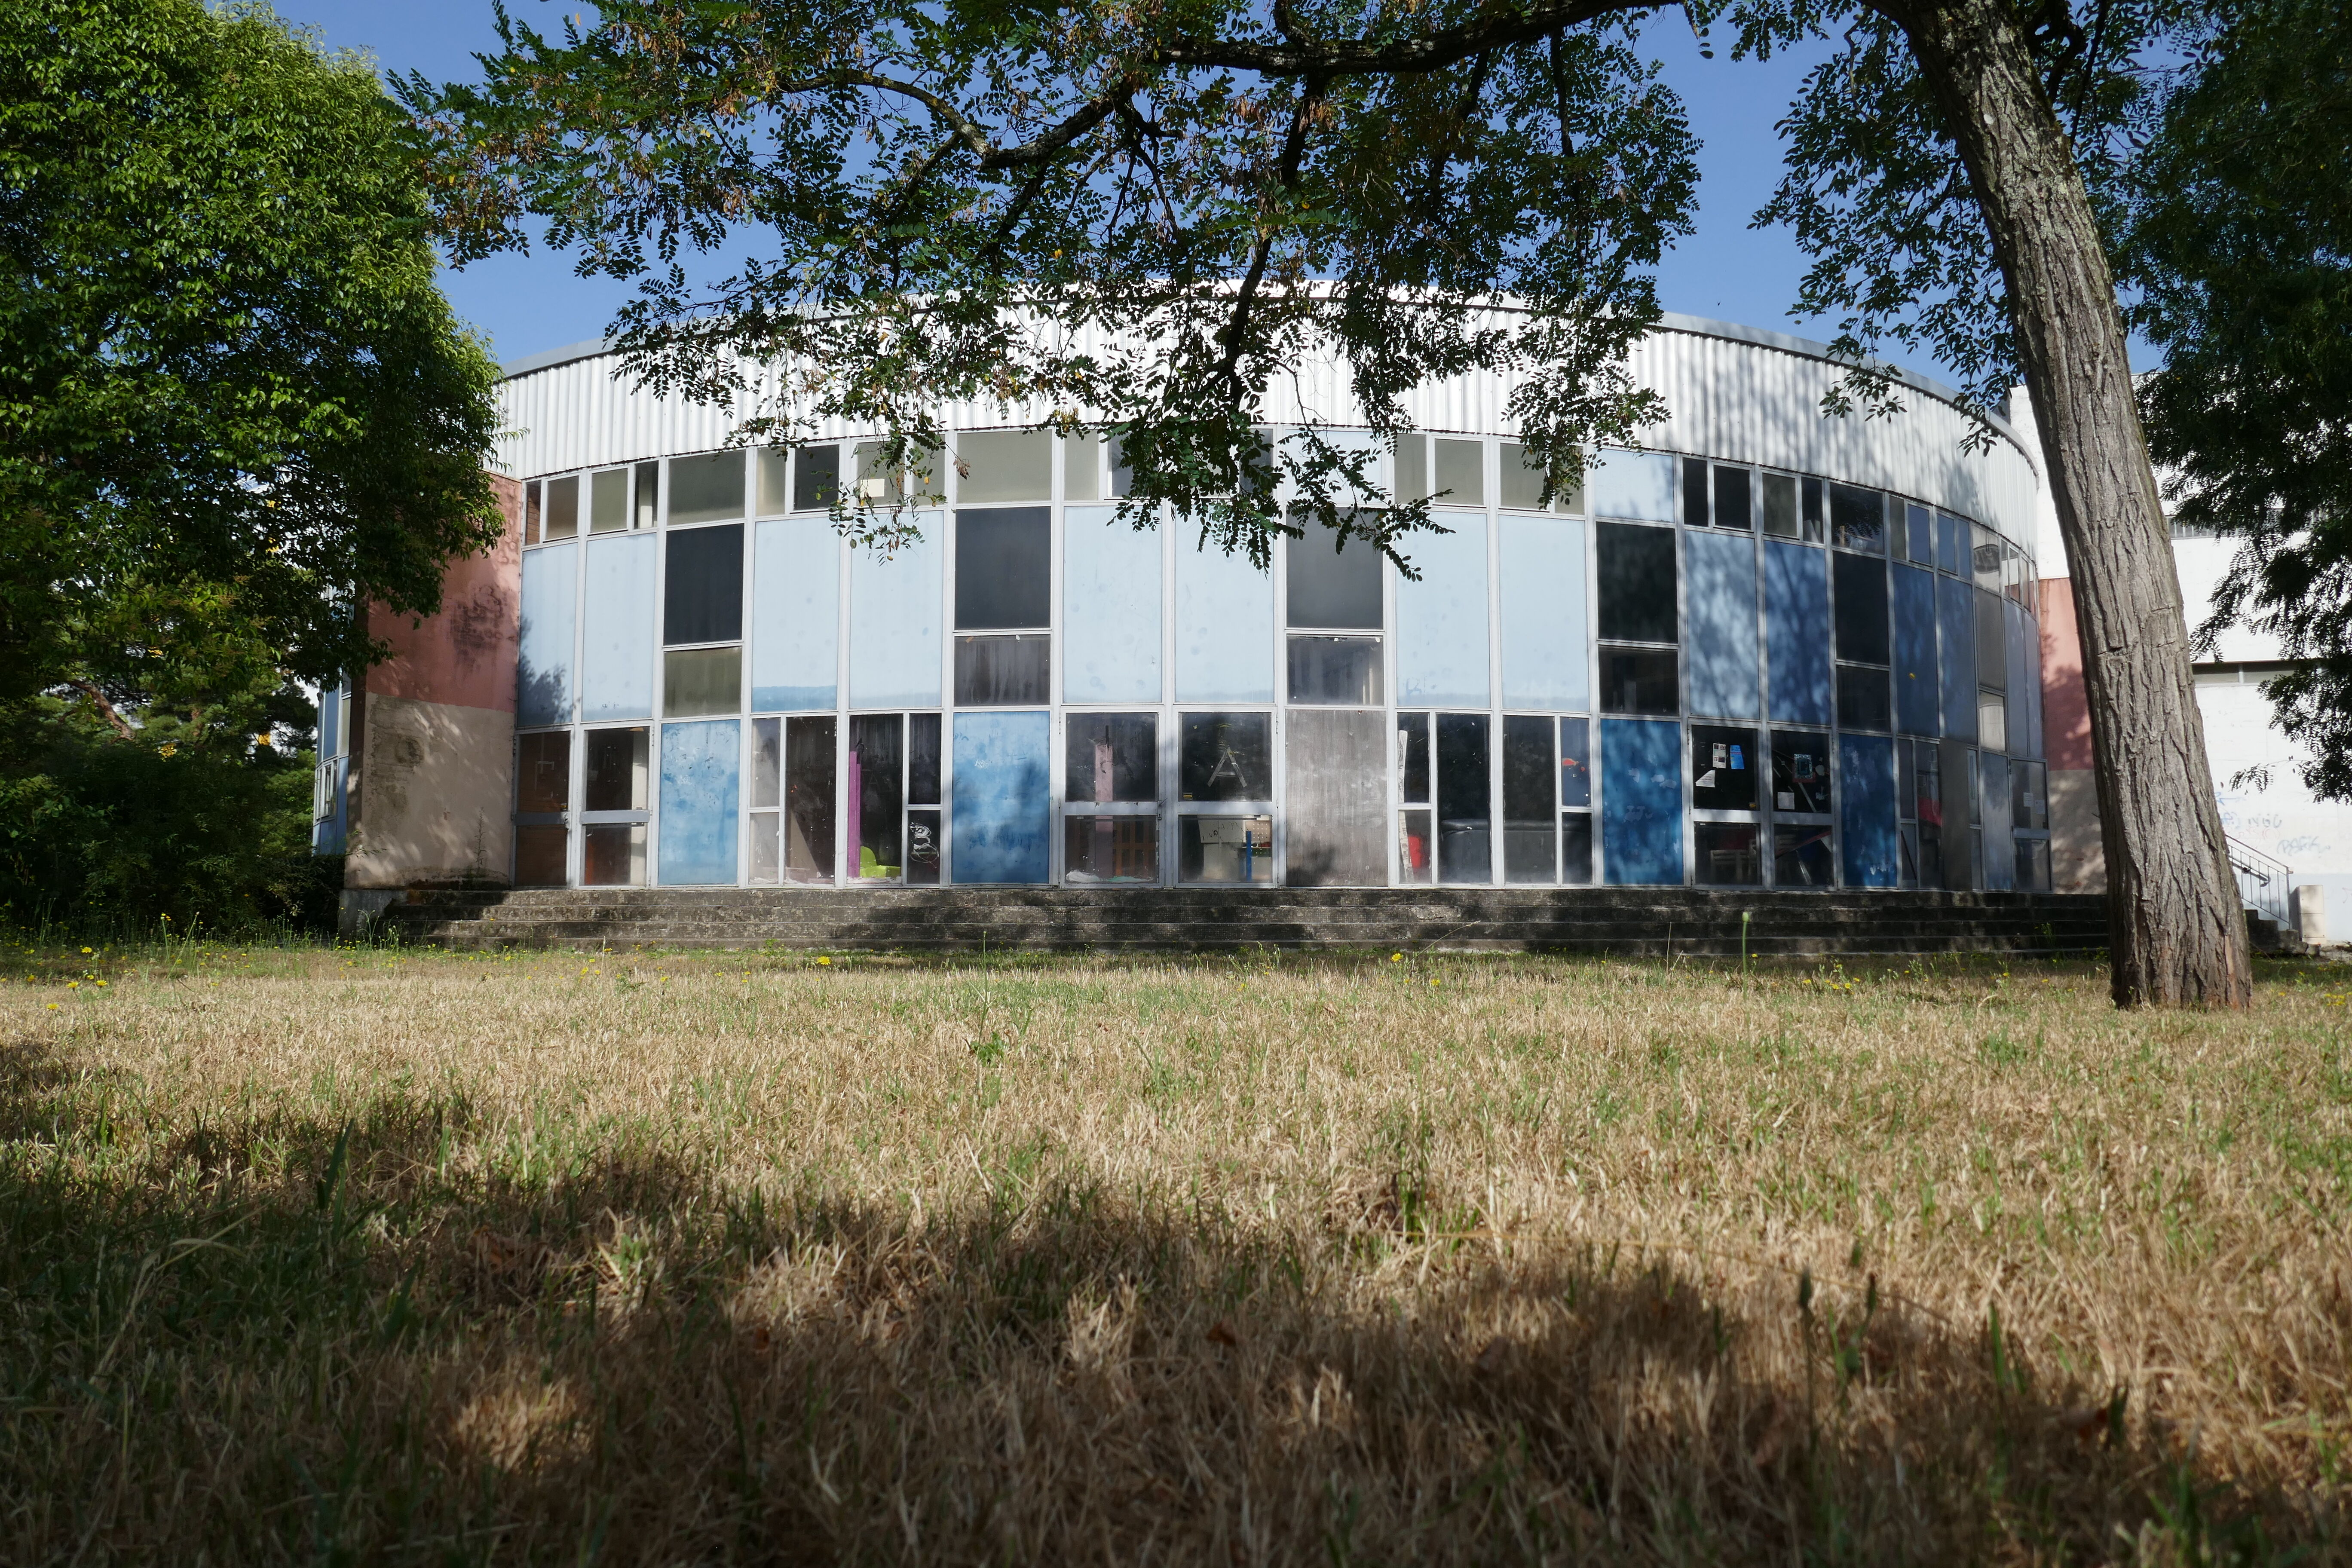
(1728, 270)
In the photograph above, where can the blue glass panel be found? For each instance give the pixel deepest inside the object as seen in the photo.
(617, 651)
(543, 667)
(1721, 580)
(701, 767)
(1003, 808)
(1442, 619)
(1915, 689)
(1956, 612)
(1224, 628)
(1110, 608)
(1867, 830)
(1797, 631)
(2013, 625)
(1999, 846)
(795, 616)
(1951, 543)
(2032, 688)
(1642, 801)
(1637, 486)
(1544, 646)
(894, 622)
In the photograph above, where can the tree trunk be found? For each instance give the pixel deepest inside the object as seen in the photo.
(2177, 928)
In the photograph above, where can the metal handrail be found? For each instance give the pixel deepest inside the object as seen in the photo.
(2261, 881)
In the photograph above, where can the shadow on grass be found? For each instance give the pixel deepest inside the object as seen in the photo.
(408, 1336)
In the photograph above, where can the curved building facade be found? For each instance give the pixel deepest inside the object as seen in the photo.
(1770, 649)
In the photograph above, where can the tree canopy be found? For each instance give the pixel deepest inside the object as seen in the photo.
(2241, 239)
(234, 404)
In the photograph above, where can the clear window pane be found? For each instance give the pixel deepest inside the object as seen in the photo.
(1984, 558)
(923, 849)
(1781, 505)
(608, 501)
(1858, 518)
(1993, 721)
(1861, 613)
(1004, 568)
(1575, 763)
(1226, 849)
(530, 494)
(2033, 865)
(808, 799)
(774, 467)
(617, 770)
(1082, 469)
(563, 507)
(1523, 479)
(1003, 671)
(1111, 848)
(767, 847)
(612, 855)
(1412, 757)
(1225, 756)
(1694, 492)
(1465, 811)
(1800, 857)
(1412, 469)
(1919, 523)
(1636, 569)
(1331, 584)
(1800, 772)
(1416, 864)
(1640, 680)
(649, 495)
(1724, 768)
(1004, 465)
(707, 488)
(697, 681)
(1576, 847)
(1461, 472)
(923, 758)
(1809, 495)
(767, 762)
(1951, 543)
(543, 773)
(876, 761)
(2029, 807)
(1865, 697)
(540, 855)
(1335, 671)
(816, 477)
(1111, 757)
(1733, 508)
(1531, 771)
(702, 587)
(1730, 854)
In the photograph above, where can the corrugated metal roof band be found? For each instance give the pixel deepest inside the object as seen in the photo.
(1737, 394)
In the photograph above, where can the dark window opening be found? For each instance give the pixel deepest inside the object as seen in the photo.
(1004, 568)
(1638, 585)
(702, 592)
(1225, 756)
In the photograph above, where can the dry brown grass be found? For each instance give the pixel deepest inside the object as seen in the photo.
(376, 1257)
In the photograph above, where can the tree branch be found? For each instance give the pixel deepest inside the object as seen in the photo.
(1352, 57)
(106, 710)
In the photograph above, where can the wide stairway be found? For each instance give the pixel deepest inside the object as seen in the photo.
(1659, 922)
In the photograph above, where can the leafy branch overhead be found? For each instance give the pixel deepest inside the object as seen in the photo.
(1094, 212)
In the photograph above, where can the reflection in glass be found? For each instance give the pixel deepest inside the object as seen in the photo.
(541, 852)
(1864, 698)
(1730, 854)
(1640, 680)
(767, 764)
(1724, 768)
(543, 773)
(1800, 857)
(1575, 763)
(619, 778)
(1225, 756)
(612, 855)
(702, 680)
(1111, 848)
(1331, 583)
(816, 477)
(1002, 670)
(1993, 721)
(1781, 505)
(1464, 813)
(1335, 671)
(1858, 518)
(1576, 847)
(1800, 772)
(2030, 803)
(1111, 757)
(1226, 849)
(2033, 865)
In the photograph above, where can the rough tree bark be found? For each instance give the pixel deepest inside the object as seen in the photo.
(2177, 932)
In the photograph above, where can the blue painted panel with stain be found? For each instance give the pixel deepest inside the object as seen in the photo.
(1110, 608)
(1642, 802)
(1720, 579)
(1639, 486)
(795, 615)
(1915, 689)
(701, 769)
(1865, 792)
(1225, 626)
(1003, 798)
(1956, 611)
(543, 669)
(1797, 631)
(1542, 590)
(616, 649)
(894, 619)
(1441, 621)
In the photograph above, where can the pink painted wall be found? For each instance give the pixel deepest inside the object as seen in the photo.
(465, 655)
(2065, 707)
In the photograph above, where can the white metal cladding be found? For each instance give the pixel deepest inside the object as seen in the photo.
(1737, 394)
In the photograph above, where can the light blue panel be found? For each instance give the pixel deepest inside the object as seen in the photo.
(1642, 802)
(1999, 846)
(1956, 611)
(1544, 647)
(1797, 631)
(796, 616)
(894, 622)
(1110, 608)
(701, 764)
(1225, 626)
(1915, 689)
(616, 656)
(1441, 621)
(1636, 485)
(1002, 800)
(1865, 792)
(1721, 583)
(543, 669)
